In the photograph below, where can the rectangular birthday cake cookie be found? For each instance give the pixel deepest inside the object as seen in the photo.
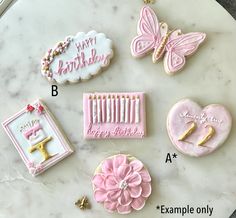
(37, 138)
(114, 115)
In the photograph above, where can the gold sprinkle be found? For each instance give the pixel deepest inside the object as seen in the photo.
(149, 1)
(94, 97)
(83, 203)
(104, 97)
(99, 97)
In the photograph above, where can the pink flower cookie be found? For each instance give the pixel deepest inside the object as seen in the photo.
(114, 115)
(198, 131)
(155, 37)
(122, 184)
(77, 57)
(37, 137)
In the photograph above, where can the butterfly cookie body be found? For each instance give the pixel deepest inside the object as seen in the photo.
(155, 37)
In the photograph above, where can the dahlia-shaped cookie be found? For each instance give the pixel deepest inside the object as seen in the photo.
(122, 184)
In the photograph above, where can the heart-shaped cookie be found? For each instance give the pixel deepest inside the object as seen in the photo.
(198, 131)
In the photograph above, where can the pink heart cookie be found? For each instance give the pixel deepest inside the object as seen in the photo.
(198, 131)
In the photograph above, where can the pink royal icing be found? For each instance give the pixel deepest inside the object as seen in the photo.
(122, 184)
(37, 138)
(213, 119)
(32, 130)
(173, 45)
(114, 115)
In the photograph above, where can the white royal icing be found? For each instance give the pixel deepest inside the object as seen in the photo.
(77, 58)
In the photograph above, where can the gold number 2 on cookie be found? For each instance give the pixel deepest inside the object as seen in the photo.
(210, 134)
(189, 131)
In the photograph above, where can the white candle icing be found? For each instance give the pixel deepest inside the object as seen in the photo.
(117, 109)
(108, 109)
(104, 109)
(137, 110)
(94, 109)
(113, 109)
(90, 109)
(132, 106)
(122, 109)
(99, 109)
(127, 102)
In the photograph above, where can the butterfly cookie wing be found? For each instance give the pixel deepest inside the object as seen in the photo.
(148, 33)
(180, 46)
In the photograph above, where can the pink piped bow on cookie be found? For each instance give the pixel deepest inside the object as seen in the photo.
(155, 37)
(122, 185)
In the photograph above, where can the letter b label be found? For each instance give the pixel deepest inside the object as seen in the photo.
(54, 90)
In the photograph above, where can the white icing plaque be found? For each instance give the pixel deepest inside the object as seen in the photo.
(77, 58)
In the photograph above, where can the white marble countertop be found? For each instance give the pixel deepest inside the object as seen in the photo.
(29, 28)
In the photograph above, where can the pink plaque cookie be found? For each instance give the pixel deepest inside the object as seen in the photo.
(37, 138)
(114, 115)
(122, 184)
(198, 131)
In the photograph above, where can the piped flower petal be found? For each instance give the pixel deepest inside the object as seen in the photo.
(137, 165)
(123, 171)
(114, 195)
(138, 203)
(145, 175)
(111, 183)
(110, 206)
(98, 181)
(125, 198)
(135, 192)
(107, 166)
(124, 209)
(134, 180)
(119, 160)
(146, 189)
(100, 195)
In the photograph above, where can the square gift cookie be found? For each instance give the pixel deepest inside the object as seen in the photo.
(114, 115)
(37, 137)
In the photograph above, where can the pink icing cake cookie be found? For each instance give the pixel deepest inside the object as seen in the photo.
(155, 37)
(37, 137)
(198, 131)
(122, 184)
(114, 115)
(77, 57)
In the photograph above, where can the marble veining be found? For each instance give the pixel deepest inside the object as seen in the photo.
(29, 28)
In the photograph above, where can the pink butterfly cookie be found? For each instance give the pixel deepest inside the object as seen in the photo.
(155, 37)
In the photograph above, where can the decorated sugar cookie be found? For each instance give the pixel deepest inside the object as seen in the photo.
(198, 131)
(114, 115)
(122, 184)
(37, 137)
(77, 57)
(156, 38)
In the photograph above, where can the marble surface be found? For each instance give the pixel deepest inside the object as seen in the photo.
(30, 27)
